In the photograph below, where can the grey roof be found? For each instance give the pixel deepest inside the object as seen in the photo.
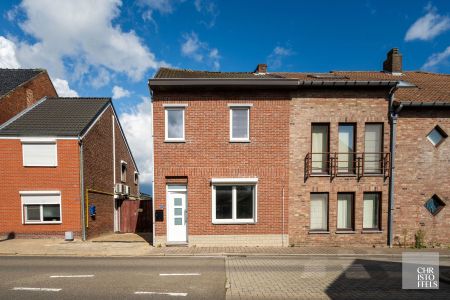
(183, 74)
(56, 117)
(12, 78)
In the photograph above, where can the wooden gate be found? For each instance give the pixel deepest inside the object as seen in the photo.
(136, 216)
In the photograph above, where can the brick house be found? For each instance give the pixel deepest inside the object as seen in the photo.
(260, 158)
(21, 88)
(66, 166)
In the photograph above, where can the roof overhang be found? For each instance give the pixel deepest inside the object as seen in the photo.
(260, 83)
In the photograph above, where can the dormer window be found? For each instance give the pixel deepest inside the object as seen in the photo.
(123, 171)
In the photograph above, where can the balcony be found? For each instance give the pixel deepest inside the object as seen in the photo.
(353, 164)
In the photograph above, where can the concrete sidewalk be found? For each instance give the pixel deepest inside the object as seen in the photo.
(134, 246)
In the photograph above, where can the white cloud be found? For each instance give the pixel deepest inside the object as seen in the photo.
(63, 89)
(437, 59)
(194, 48)
(71, 33)
(429, 26)
(209, 9)
(137, 124)
(101, 79)
(119, 92)
(162, 6)
(8, 57)
(275, 59)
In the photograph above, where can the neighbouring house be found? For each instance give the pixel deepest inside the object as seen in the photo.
(276, 158)
(21, 88)
(66, 166)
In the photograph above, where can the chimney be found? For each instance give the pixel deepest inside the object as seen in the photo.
(261, 69)
(393, 62)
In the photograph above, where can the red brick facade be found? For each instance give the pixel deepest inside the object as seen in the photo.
(26, 95)
(422, 170)
(333, 107)
(17, 178)
(208, 153)
(98, 172)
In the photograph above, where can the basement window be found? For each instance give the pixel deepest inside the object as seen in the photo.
(434, 205)
(437, 136)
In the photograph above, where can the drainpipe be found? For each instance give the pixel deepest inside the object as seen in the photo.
(393, 116)
(83, 215)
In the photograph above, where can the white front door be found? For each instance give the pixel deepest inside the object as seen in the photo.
(176, 217)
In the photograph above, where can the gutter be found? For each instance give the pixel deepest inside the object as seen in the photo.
(263, 82)
(402, 104)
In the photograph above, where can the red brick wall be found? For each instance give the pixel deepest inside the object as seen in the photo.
(208, 153)
(15, 177)
(25, 96)
(98, 172)
(333, 107)
(422, 170)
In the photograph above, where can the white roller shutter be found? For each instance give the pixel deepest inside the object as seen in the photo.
(39, 154)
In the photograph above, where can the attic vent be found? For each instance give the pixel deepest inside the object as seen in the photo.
(327, 76)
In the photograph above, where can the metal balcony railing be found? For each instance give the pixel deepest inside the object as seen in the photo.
(347, 164)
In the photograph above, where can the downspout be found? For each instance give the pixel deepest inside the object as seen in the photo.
(282, 224)
(393, 116)
(153, 170)
(83, 214)
(116, 213)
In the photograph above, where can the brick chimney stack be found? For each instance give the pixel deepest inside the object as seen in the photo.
(261, 69)
(393, 62)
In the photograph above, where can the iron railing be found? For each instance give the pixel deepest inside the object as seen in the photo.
(347, 164)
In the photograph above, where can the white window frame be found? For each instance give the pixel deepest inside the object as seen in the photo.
(168, 107)
(234, 182)
(136, 178)
(39, 141)
(37, 193)
(240, 107)
(122, 177)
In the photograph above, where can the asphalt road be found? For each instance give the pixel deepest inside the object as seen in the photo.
(111, 278)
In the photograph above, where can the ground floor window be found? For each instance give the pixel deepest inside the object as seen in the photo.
(345, 211)
(234, 203)
(41, 207)
(371, 213)
(319, 211)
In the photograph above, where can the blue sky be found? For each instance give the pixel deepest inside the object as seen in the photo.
(111, 47)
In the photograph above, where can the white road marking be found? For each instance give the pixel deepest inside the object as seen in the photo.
(71, 276)
(180, 274)
(36, 289)
(159, 293)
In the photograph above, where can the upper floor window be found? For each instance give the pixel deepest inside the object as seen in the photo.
(240, 122)
(347, 146)
(174, 131)
(136, 178)
(437, 136)
(320, 148)
(123, 171)
(39, 153)
(373, 148)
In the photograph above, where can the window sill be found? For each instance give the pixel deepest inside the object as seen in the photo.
(373, 175)
(345, 232)
(41, 223)
(36, 166)
(318, 232)
(233, 222)
(174, 141)
(371, 231)
(239, 141)
(346, 175)
(319, 175)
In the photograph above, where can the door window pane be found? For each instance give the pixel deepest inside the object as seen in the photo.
(320, 148)
(345, 211)
(50, 212)
(319, 212)
(239, 123)
(175, 123)
(177, 201)
(224, 201)
(178, 211)
(178, 221)
(373, 146)
(244, 202)
(371, 211)
(346, 148)
(33, 212)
